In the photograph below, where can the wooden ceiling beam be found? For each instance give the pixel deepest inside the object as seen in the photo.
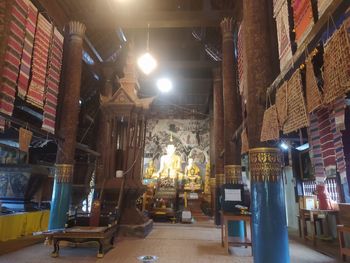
(156, 19)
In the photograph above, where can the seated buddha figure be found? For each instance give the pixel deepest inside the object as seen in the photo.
(170, 164)
(193, 180)
(150, 170)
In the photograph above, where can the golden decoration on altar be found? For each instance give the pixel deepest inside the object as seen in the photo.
(265, 164)
(193, 180)
(150, 170)
(207, 179)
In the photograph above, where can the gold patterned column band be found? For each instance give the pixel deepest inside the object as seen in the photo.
(220, 179)
(265, 164)
(233, 174)
(227, 29)
(64, 173)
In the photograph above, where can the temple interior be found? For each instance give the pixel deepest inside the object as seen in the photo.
(165, 131)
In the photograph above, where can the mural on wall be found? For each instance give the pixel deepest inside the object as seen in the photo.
(190, 137)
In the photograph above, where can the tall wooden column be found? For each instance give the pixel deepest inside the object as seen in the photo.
(68, 126)
(269, 230)
(232, 114)
(218, 113)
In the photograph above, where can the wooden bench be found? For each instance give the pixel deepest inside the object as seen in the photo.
(226, 240)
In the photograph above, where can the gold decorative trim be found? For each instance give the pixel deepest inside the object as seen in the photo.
(265, 164)
(64, 173)
(233, 173)
(220, 179)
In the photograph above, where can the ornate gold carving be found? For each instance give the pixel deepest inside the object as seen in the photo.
(64, 173)
(220, 179)
(233, 174)
(265, 164)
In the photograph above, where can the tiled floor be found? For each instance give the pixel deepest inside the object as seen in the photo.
(171, 243)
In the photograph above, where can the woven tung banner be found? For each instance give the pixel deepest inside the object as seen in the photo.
(283, 35)
(315, 146)
(313, 94)
(23, 79)
(52, 82)
(322, 5)
(25, 137)
(336, 66)
(297, 117)
(270, 127)
(338, 109)
(244, 140)
(13, 38)
(240, 60)
(43, 35)
(303, 19)
(326, 139)
(281, 104)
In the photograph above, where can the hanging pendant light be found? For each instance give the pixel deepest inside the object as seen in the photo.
(146, 62)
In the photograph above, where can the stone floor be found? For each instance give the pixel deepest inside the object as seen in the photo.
(171, 243)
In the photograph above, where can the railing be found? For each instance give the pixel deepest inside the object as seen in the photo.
(309, 187)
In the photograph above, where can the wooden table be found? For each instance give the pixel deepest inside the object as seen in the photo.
(226, 240)
(104, 236)
(316, 214)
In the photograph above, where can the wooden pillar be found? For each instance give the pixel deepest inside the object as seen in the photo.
(232, 115)
(218, 112)
(269, 230)
(232, 104)
(68, 126)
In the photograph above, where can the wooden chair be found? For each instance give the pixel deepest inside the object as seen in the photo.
(344, 227)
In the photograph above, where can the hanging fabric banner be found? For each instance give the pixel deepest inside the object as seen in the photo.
(13, 39)
(270, 127)
(281, 14)
(25, 137)
(315, 147)
(303, 19)
(52, 82)
(23, 79)
(338, 109)
(313, 94)
(336, 66)
(297, 117)
(281, 104)
(326, 140)
(240, 63)
(42, 39)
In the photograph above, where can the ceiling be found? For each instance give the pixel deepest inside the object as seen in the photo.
(184, 36)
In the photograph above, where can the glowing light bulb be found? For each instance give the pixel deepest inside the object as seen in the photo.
(164, 84)
(147, 63)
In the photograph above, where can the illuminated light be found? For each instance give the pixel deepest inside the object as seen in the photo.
(303, 147)
(147, 63)
(164, 84)
(284, 146)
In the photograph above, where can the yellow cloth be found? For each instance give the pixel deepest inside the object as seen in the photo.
(23, 224)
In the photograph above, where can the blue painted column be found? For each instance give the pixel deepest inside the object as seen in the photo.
(269, 226)
(69, 118)
(61, 195)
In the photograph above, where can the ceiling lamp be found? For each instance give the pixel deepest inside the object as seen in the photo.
(146, 62)
(164, 84)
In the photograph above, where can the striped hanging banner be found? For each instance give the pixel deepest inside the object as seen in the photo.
(23, 79)
(315, 146)
(303, 19)
(52, 82)
(35, 95)
(338, 109)
(240, 63)
(326, 139)
(2, 46)
(15, 27)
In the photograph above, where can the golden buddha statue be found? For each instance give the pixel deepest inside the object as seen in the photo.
(150, 170)
(193, 180)
(207, 179)
(170, 164)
